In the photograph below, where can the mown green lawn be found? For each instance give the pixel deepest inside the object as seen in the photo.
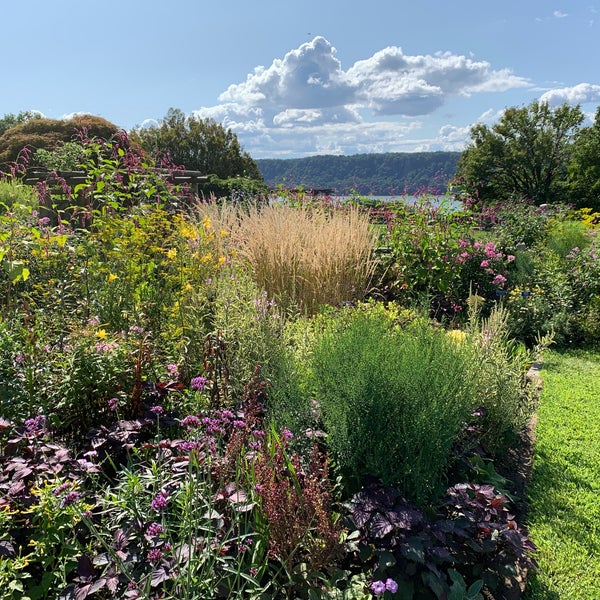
(564, 495)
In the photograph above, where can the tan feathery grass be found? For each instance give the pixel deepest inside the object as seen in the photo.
(307, 256)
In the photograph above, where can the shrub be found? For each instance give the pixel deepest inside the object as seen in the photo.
(565, 235)
(393, 401)
(422, 240)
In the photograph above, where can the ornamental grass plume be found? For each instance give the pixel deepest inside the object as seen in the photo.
(308, 256)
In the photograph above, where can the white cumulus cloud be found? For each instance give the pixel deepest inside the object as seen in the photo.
(309, 102)
(581, 93)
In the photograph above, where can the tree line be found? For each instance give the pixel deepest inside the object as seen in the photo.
(383, 174)
(533, 152)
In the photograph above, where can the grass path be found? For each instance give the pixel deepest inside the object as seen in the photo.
(564, 495)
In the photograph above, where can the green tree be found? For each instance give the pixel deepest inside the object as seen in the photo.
(584, 168)
(10, 120)
(525, 154)
(197, 144)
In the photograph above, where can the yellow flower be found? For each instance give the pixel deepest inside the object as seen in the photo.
(171, 253)
(206, 258)
(188, 231)
(222, 260)
(101, 333)
(457, 336)
(206, 222)
(112, 277)
(223, 232)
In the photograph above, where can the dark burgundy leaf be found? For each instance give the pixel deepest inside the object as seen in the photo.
(6, 549)
(16, 489)
(97, 585)
(379, 526)
(22, 471)
(85, 567)
(158, 576)
(82, 591)
(406, 518)
(112, 583)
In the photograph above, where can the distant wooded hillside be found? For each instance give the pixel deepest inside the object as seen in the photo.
(366, 174)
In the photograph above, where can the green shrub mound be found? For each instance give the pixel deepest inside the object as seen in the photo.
(393, 401)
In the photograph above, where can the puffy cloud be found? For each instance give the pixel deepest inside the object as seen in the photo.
(308, 102)
(581, 93)
(307, 77)
(392, 82)
(389, 83)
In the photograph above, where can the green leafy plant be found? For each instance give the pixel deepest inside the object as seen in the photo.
(392, 400)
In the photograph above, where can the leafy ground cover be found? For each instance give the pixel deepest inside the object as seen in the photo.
(563, 495)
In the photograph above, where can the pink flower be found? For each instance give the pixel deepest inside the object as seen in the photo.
(499, 280)
(484, 263)
(160, 501)
(154, 555)
(198, 383)
(378, 587)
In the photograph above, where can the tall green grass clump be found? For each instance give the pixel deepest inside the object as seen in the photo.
(393, 400)
(307, 256)
(500, 368)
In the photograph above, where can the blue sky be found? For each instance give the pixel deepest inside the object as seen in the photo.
(305, 77)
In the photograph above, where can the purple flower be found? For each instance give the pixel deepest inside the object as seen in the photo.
(190, 421)
(158, 410)
(69, 499)
(160, 501)
(36, 425)
(187, 445)
(154, 555)
(391, 585)
(198, 383)
(61, 488)
(378, 587)
(113, 403)
(173, 370)
(154, 529)
(287, 434)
